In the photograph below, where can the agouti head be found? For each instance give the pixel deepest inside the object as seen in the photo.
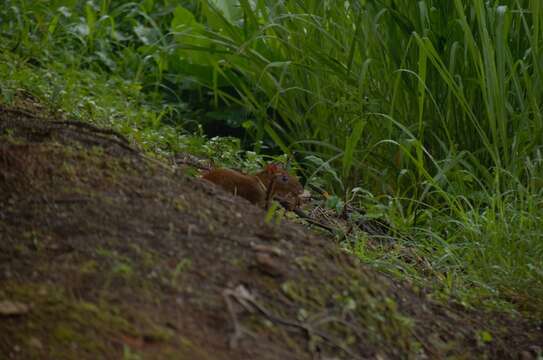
(281, 182)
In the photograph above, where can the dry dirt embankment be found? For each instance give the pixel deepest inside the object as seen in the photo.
(105, 254)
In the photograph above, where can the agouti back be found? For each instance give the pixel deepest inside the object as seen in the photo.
(259, 188)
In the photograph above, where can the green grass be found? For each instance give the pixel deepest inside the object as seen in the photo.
(433, 107)
(429, 110)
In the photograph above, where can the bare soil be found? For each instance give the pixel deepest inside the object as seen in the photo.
(107, 254)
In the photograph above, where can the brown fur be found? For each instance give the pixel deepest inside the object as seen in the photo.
(259, 188)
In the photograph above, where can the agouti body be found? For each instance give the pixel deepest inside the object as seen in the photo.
(259, 188)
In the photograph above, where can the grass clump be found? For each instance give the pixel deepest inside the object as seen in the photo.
(433, 108)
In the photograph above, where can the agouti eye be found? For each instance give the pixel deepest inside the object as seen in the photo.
(284, 178)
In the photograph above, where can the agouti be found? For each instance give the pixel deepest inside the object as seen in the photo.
(259, 188)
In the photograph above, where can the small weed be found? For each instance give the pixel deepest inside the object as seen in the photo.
(182, 266)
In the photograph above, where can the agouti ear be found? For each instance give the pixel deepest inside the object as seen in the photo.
(272, 168)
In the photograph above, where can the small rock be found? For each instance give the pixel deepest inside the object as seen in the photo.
(267, 249)
(10, 308)
(269, 266)
(35, 342)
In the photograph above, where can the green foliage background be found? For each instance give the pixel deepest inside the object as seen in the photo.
(427, 113)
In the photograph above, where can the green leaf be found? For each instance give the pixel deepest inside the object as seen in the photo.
(194, 47)
(229, 8)
(485, 336)
(350, 146)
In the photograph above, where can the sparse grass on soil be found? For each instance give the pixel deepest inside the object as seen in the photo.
(427, 118)
(116, 255)
(425, 114)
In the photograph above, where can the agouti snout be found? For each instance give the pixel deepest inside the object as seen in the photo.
(259, 188)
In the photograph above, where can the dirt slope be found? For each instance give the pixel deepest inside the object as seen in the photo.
(106, 254)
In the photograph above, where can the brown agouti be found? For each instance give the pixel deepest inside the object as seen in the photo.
(259, 188)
